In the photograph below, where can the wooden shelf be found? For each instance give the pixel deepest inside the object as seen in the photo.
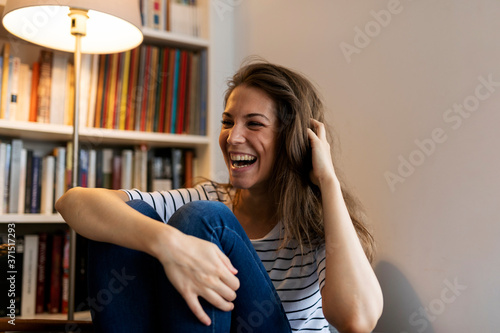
(97, 136)
(31, 218)
(174, 39)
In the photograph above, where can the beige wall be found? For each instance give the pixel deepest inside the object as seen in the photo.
(436, 221)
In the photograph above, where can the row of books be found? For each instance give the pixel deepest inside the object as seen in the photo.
(31, 182)
(179, 16)
(150, 88)
(41, 273)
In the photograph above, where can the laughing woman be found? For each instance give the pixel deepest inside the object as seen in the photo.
(282, 247)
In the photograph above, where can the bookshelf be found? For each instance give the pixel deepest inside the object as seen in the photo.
(49, 135)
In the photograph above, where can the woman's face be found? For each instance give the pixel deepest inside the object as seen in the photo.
(248, 137)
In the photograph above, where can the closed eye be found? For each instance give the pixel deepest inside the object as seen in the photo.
(255, 124)
(226, 123)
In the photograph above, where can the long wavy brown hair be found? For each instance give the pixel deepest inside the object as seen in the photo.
(298, 200)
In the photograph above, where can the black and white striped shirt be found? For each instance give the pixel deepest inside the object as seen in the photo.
(297, 278)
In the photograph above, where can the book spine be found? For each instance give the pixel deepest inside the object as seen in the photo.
(41, 272)
(54, 305)
(29, 280)
(36, 185)
(22, 182)
(126, 168)
(47, 185)
(14, 88)
(15, 175)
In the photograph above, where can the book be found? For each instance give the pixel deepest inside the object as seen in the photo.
(111, 91)
(107, 168)
(126, 168)
(19, 265)
(60, 172)
(13, 90)
(152, 87)
(92, 103)
(65, 273)
(84, 168)
(41, 272)
(175, 91)
(170, 89)
(132, 89)
(58, 89)
(5, 80)
(124, 89)
(36, 184)
(35, 77)
(29, 181)
(6, 187)
(3, 183)
(29, 281)
(22, 182)
(47, 185)
(91, 179)
(99, 96)
(44, 86)
(146, 81)
(188, 168)
(55, 294)
(69, 101)
(24, 95)
(141, 79)
(15, 175)
(162, 108)
(203, 93)
(177, 168)
(183, 72)
(117, 172)
(140, 178)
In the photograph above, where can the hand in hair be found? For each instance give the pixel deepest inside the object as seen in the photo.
(322, 165)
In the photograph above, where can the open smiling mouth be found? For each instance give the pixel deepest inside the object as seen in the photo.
(241, 161)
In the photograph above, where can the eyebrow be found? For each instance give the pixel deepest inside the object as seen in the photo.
(250, 115)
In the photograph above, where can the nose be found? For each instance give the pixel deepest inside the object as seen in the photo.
(236, 135)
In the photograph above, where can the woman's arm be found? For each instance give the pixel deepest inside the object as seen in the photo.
(352, 297)
(195, 267)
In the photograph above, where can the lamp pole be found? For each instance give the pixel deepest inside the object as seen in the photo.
(78, 29)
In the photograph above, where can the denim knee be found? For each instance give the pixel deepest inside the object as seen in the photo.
(200, 214)
(144, 208)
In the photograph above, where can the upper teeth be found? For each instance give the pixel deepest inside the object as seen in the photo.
(242, 157)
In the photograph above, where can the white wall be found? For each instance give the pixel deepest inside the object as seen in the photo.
(438, 224)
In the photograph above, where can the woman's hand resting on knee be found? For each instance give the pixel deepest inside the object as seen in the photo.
(198, 268)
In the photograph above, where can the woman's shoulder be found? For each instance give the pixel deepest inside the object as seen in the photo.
(216, 191)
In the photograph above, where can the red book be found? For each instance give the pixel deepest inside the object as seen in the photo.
(188, 168)
(145, 88)
(65, 274)
(163, 90)
(182, 92)
(170, 89)
(132, 88)
(41, 273)
(54, 305)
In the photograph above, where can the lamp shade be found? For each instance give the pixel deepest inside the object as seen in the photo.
(113, 25)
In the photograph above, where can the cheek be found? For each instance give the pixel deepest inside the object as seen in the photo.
(222, 140)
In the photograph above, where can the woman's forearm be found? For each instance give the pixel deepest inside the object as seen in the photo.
(103, 215)
(352, 297)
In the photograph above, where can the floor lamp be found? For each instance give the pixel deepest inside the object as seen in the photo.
(78, 26)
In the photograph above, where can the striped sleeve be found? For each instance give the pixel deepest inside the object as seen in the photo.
(165, 203)
(321, 260)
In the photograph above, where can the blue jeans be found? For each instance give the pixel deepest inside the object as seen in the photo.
(129, 290)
